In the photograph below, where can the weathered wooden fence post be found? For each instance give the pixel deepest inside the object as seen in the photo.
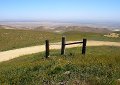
(63, 46)
(84, 46)
(46, 48)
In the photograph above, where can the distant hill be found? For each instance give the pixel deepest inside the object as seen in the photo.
(73, 28)
(86, 29)
(1, 27)
(54, 27)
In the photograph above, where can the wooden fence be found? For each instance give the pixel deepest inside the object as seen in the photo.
(63, 45)
(47, 51)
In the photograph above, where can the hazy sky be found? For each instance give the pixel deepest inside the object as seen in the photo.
(71, 10)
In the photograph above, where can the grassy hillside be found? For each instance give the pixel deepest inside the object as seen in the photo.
(12, 39)
(100, 66)
(74, 35)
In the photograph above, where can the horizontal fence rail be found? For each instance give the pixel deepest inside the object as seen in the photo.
(73, 43)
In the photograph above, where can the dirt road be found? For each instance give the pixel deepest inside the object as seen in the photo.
(7, 55)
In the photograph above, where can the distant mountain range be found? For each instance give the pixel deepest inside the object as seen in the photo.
(61, 27)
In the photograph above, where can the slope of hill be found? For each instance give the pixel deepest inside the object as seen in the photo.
(16, 38)
(82, 29)
(100, 66)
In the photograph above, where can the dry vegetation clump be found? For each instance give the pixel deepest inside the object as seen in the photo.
(112, 35)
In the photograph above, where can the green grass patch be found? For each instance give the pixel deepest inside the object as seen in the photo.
(100, 66)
